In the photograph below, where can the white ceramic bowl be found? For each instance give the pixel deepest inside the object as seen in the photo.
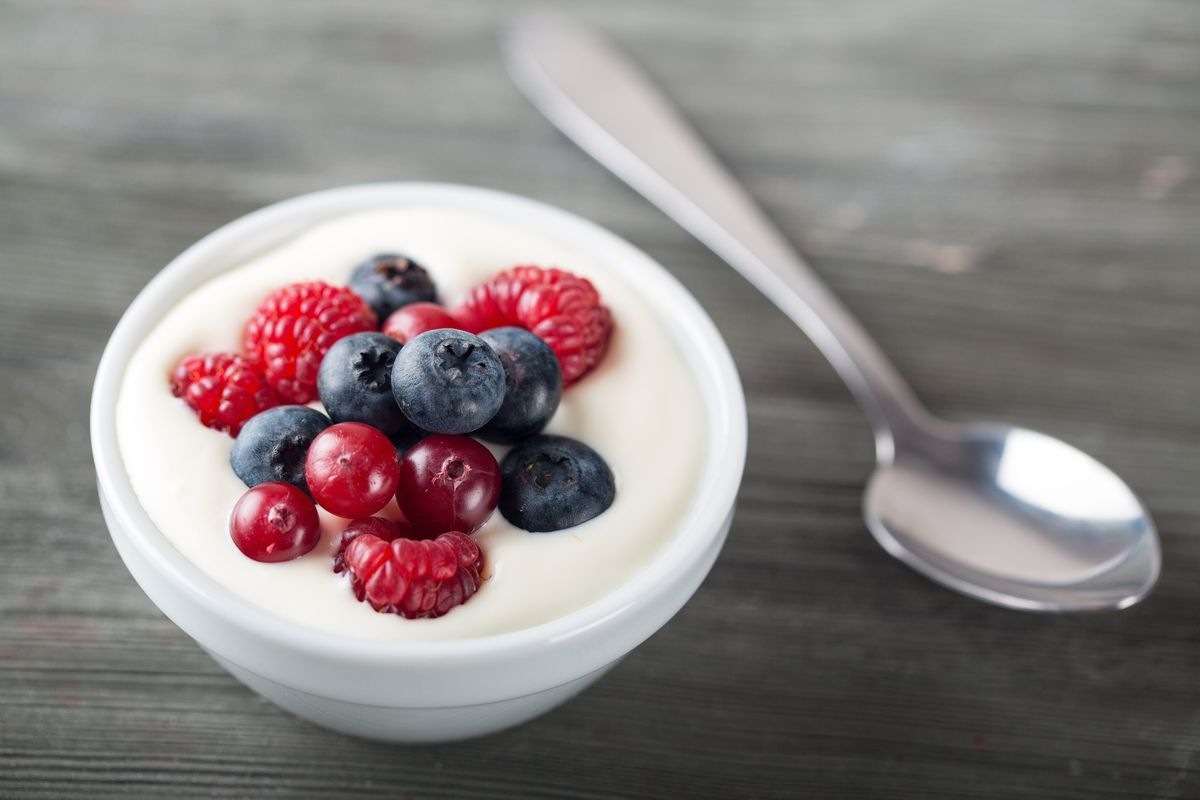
(424, 691)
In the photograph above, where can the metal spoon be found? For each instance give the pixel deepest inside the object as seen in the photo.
(1003, 514)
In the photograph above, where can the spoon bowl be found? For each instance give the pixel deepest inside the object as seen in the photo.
(1014, 517)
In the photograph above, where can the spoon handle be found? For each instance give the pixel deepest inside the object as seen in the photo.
(600, 100)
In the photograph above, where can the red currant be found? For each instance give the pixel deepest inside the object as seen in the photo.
(448, 483)
(351, 469)
(417, 318)
(274, 522)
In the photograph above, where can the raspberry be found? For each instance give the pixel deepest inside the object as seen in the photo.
(415, 578)
(384, 529)
(563, 309)
(223, 389)
(293, 328)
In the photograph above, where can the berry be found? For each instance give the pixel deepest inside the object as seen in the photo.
(448, 483)
(387, 282)
(414, 578)
(294, 327)
(413, 320)
(272, 445)
(223, 389)
(384, 529)
(552, 482)
(405, 439)
(448, 381)
(533, 385)
(355, 382)
(351, 469)
(561, 308)
(274, 522)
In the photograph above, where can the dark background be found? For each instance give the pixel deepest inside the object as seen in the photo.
(1006, 192)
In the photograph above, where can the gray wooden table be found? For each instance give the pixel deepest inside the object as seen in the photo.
(1007, 193)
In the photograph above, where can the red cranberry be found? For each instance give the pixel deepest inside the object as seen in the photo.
(351, 469)
(274, 522)
(417, 318)
(448, 483)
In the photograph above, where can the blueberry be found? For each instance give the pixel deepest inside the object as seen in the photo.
(552, 482)
(388, 281)
(355, 382)
(448, 381)
(405, 439)
(533, 385)
(273, 444)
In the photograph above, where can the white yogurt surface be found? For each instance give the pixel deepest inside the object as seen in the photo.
(640, 409)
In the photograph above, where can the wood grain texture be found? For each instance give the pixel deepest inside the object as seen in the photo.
(1006, 192)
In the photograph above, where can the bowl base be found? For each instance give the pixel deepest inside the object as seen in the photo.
(411, 725)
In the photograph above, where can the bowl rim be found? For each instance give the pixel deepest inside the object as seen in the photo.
(716, 489)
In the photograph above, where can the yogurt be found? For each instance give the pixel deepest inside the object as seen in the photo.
(640, 409)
